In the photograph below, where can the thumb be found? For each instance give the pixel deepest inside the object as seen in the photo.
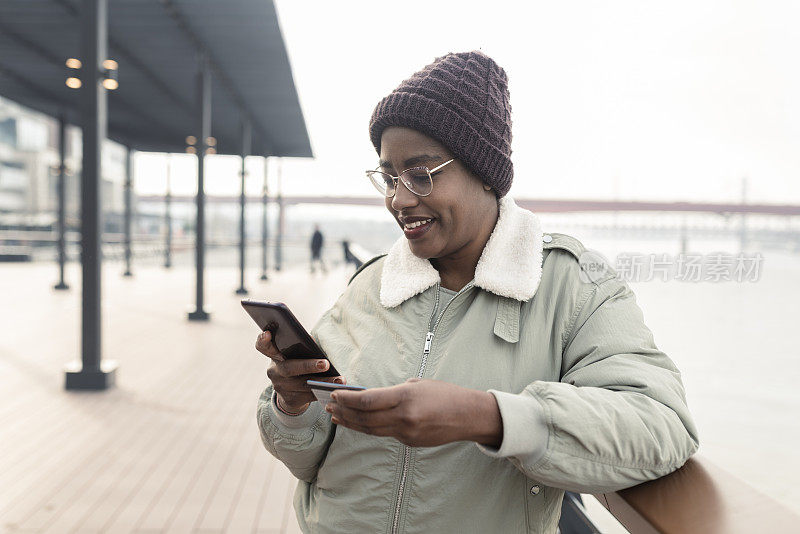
(414, 379)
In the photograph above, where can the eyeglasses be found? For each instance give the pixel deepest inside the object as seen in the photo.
(418, 180)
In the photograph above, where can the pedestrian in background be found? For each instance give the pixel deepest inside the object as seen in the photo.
(317, 241)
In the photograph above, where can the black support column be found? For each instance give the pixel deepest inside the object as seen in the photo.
(279, 234)
(264, 223)
(91, 372)
(168, 215)
(62, 206)
(128, 208)
(204, 127)
(246, 141)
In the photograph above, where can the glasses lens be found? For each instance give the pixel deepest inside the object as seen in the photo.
(418, 180)
(382, 182)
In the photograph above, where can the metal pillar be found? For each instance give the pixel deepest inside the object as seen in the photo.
(246, 138)
(684, 236)
(128, 208)
(743, 237)
(279, 235)
(62, 170)
(204, 105)
(264, 224)
(91, 372)
(168, 215)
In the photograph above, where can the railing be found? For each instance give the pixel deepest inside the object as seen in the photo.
(24, 245)
(698, 498)
(28, 242)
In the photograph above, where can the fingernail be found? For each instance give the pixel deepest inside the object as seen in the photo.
(322, 364)
(334, 420)
(329, 408)
(338, 380)
(334, 397)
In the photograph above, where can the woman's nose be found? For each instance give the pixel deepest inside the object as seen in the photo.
(403, 198)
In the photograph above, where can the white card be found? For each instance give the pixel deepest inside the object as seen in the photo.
(323, 396)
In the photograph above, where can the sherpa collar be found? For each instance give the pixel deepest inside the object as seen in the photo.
(510, 265)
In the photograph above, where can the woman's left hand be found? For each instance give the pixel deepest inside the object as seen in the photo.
(420, 413)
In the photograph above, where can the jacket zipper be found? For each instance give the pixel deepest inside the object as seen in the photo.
(425, 352)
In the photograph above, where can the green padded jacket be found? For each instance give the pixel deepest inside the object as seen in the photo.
(588, 402)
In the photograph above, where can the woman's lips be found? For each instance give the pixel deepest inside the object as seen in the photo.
(420, 228)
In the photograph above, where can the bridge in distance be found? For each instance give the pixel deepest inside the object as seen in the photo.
(537, 205)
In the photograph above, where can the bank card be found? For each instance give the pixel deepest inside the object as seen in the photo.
(322, 390)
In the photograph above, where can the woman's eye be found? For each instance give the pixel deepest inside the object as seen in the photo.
(419, 177)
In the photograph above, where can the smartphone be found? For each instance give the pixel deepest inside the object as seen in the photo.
(289, 336)
(322, 390)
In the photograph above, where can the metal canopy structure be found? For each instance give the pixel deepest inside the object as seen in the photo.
(157, 43)
(143, 72)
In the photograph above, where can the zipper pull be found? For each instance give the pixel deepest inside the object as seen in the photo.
(428, 341)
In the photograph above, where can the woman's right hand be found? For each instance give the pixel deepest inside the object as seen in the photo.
(289, 377)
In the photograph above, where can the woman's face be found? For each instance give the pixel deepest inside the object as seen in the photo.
(459, 208)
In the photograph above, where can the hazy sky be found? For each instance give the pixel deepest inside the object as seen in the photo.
(624, 99)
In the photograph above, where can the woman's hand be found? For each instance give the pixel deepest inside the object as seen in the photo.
(289, 376)
(420, 413)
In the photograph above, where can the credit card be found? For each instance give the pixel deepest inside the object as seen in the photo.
(322, 390)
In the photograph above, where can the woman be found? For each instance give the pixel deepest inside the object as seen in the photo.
(475, 327)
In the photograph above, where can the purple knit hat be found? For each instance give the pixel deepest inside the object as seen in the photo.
(462, 101)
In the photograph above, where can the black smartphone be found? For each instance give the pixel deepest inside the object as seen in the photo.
(289, 336)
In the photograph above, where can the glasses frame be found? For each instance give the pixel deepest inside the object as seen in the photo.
(400, 178)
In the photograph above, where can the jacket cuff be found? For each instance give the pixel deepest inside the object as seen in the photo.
(525, 429)
(304, 420)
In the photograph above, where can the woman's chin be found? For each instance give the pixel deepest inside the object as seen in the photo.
(421, 249)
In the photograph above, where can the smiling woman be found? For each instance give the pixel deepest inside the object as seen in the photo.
(498, 375)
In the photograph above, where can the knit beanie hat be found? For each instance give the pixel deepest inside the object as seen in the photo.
(462, 101)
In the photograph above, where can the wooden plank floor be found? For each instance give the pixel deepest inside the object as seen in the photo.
(174, 446)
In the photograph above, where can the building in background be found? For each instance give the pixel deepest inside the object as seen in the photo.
(29, 174)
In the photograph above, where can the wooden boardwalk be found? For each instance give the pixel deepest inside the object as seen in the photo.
(174, 447)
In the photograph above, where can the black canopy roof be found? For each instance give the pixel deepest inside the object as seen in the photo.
(157, 43)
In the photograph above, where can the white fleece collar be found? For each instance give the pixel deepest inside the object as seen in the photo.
(510, 265)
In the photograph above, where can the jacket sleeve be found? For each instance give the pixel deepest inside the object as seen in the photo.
(617, 418)
(299, 441)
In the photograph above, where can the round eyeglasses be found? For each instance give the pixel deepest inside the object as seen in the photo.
(418, 180)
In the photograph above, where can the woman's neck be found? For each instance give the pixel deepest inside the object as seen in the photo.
(457, 269)
(455, 278)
